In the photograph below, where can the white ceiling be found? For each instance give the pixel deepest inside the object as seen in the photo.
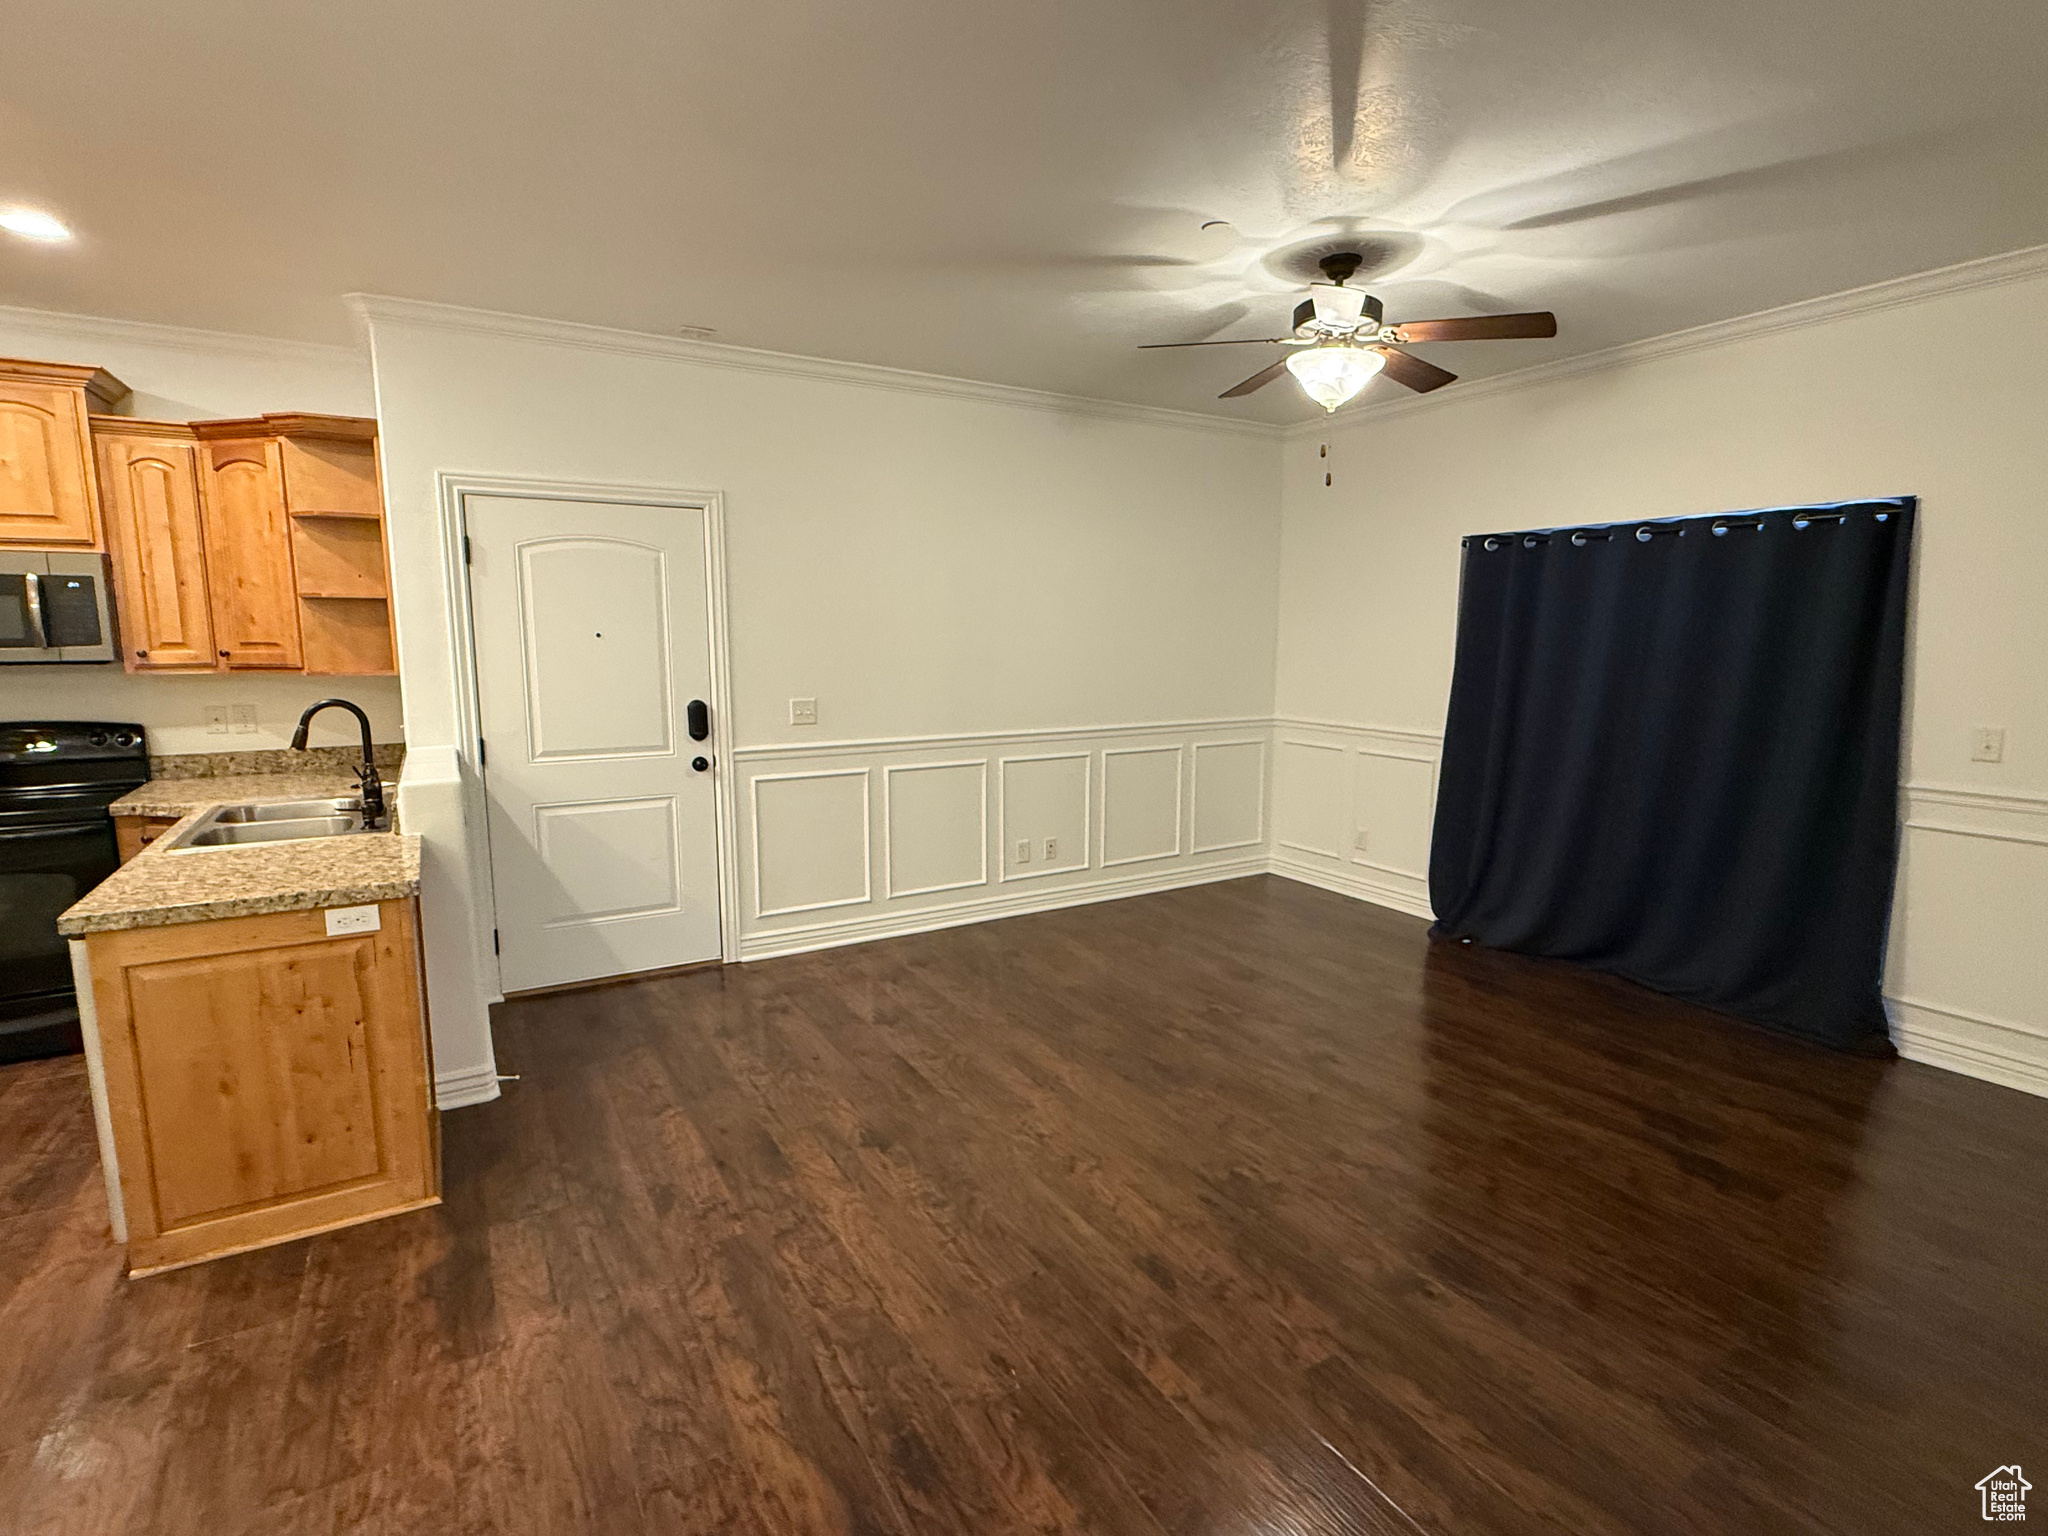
(1015, 191)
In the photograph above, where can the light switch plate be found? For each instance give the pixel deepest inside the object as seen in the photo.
(1023, 850)
(216, 719)
(1987, 744)
(341, 920)
(243, 718)
(1362, 840)
(803, 711)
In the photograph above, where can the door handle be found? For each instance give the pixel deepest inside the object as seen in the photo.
(38, 626)
(699, 715)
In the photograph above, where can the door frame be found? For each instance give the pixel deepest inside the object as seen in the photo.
(454, 490)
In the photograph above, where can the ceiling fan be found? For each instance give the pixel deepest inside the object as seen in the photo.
(1344, 341)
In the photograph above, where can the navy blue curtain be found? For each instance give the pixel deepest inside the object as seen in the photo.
(1672, 754)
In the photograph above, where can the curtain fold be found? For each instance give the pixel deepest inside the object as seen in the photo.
(1672, 753)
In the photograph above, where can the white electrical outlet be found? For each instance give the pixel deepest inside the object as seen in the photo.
(216, 719)
(341, 920)
(243, 718)
(1023, 850)
(1360, 842)
(803, 711)
(1052, 849)
(1987, 744)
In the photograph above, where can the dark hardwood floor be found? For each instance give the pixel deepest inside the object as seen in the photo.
(1236, 1211)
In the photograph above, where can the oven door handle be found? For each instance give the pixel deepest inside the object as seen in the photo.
(68, 829)
(32, 594)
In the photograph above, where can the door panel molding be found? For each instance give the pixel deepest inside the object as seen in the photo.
(452, 490)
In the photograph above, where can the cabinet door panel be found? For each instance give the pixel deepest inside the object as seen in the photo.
(256, 1077)
(45, 474)
(249, 557)
(264, 1080)
(150, 489)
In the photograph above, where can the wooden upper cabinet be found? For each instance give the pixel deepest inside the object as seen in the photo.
(248, 547)
(149, 498)
(252, 544)
(47, 495)
(334, 496)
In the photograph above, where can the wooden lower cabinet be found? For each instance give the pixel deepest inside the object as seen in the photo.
(132, 834)
(264, 1081)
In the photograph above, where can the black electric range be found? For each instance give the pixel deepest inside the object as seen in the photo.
(57, 778)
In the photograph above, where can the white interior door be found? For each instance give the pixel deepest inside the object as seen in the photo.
(592, 626)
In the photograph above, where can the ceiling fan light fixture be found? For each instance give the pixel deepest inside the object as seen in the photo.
(1332, 375)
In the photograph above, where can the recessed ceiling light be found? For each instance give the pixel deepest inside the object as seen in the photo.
(33, 224)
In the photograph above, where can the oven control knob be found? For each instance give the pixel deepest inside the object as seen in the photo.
(99, 738)
(124, 739)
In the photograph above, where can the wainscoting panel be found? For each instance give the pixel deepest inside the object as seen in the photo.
(1393, 806)
(1228, 788)
(1128, 810)
(1968, 973)
(1308, 797)
(810, 840)
(1141, 804)
(1043, 813)
(1352, 807)
(935, 826)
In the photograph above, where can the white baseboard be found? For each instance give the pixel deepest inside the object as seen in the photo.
(466, 1086)
(2013, 1055)
(1349, 883)
(799, 940)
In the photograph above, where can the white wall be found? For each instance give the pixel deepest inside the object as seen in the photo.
(917, 561)
(186, 375)
(1935, 387)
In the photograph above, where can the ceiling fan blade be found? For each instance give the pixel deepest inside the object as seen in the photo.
(1405, 368)
(1258, 380)
(1536, 323)
(1242, 341)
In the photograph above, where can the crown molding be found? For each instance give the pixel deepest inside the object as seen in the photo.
(373, 308)
(1985, 272)
(71, 330)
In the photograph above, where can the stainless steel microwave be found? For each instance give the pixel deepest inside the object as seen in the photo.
(53, 607)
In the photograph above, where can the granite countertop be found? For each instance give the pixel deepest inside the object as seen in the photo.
(158, 888)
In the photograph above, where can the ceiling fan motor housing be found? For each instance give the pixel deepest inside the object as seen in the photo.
(1371, 315)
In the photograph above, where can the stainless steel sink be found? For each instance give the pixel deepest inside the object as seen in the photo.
(289, 810)
(281, 821)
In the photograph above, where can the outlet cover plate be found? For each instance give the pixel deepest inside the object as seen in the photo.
(346, 920)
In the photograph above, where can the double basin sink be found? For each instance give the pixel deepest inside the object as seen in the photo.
(277, 821)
